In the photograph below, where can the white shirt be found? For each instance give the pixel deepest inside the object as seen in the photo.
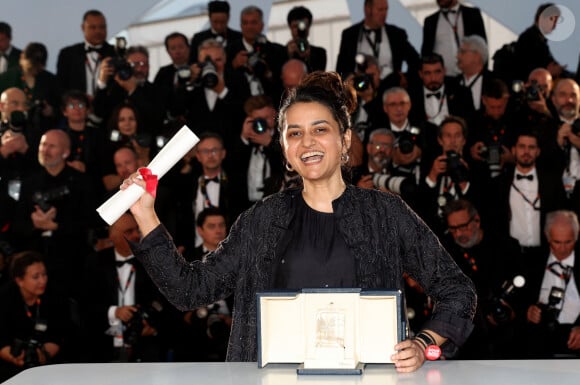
(258, 171)
(256, 87)
(125, 294)
(213, 193)
(435, 109)
(4, 60)
(385, 57)
(445, 43)
(525, 220)
(92, 68)
(211, 96)
(570, 305)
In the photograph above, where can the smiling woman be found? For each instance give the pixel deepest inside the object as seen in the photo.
(324, 234)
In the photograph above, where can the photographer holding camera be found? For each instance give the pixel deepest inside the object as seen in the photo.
(55, 212)
(123, 78)
(212, 99)
(255, 162)
(32, 327)
(299, 21)
(447, 176)
(256, 59)
(118, 302)
(489, 261)
(553, 327)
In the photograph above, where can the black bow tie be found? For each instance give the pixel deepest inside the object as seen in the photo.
(130, 261)
(435, 94)
(214, 179)
(448, 11)
(528, 177)
(93, 49)
(377, 31)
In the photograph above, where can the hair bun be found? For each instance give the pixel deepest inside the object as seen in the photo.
(332, 83)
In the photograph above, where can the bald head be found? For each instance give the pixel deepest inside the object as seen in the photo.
(566, 98)
(292, 72)
(543, 79)
(53, 150)
(12, 99)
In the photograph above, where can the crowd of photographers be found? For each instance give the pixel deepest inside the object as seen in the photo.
(489, 159)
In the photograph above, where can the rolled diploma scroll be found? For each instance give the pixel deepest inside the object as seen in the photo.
(170, 154)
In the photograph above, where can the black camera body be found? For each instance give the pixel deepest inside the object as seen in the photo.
(183, 75)
(302, 41)
(361, 81)
(499, 308)
(407, 140)
(17, 123)
(120, 65)
(260, 125)
(256, 59)
(133, 329)
(29, 347)
(550, 311)
(576, 127)
(455, 169)
(45, 199)
(208, 77)
(532, 93)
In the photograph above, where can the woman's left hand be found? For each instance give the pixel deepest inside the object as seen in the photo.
(410, 356)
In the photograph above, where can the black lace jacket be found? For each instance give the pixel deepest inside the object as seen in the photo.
(383, 234)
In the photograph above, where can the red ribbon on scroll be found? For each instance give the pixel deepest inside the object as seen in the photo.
(150, 180)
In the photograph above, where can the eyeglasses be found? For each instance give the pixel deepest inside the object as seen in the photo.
(208, 151)
(380, 146)
(72, 106)
(139, 63)
(461, 227)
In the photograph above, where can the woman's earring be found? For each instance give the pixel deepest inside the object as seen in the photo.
(344, 157)
(289, 167)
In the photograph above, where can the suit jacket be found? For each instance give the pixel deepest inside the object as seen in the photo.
(472, 25)
(532, 51)
(459, 100)
(201, 36)
(14, 58)
(165, 84)
(550, 189)
(70, 68)
(401, 49)
(101, 292)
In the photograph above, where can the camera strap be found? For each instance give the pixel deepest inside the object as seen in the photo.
(123, 288)
(564, 274)
(92, 63)
(471, 83)
(29, 312)
(535, 204)
(376, 44)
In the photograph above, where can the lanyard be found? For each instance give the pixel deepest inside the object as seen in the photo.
(376, 45)
(441, 102)
(533, 204)
(92, 69)
(453, 25)
(470, 85)
(123, 290)
(29, 313)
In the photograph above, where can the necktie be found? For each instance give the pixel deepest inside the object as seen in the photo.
(435, 94)
(528, 177)
(214, 179)
(130, 261)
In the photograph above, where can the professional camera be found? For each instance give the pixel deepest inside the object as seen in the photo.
(119, 63)
(407, 140)
(208, 76)
(532, 93)
(142, 139)
(29, 348)
(401, 185)
(17, 122)
(576, 127)
(183, 75)
(256, 59)
(45, 199)
(216, 328)
(499, 309)
(260, 125)
(133, 329)
(550, 311)
(362, 81)
(302, 41)
(455, 169)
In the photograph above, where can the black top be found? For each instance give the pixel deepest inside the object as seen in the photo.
(317, 255)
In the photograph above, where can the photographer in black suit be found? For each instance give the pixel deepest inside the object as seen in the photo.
(299, 21)
(79, 64)
(444, 29)
(219, 17)
(9, 55)
(372, 36)
(553, 318)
